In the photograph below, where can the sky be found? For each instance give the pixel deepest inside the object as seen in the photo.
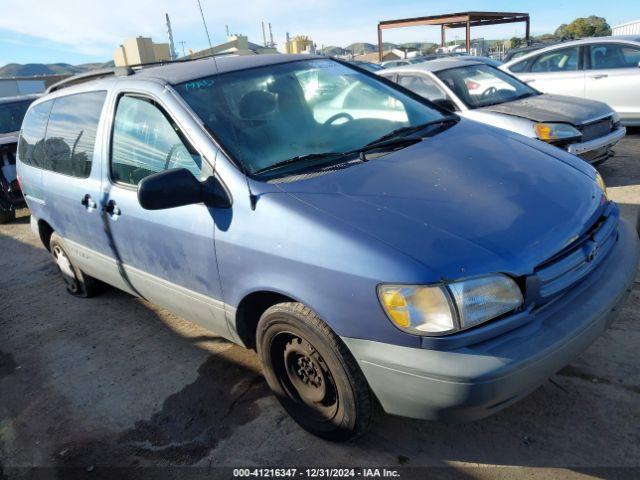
(71, 31)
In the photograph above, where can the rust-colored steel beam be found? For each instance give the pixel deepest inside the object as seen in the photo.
(455, 20)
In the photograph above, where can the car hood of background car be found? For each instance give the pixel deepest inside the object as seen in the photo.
(554, 108)
(467, 201)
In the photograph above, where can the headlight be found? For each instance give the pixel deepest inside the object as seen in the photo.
(555, 131)
(448, 308)
(602, 185)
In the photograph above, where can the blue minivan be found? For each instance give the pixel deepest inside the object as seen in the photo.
(371, 247)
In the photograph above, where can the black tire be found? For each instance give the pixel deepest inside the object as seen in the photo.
(312, 373)
(7, 216)
(79, 284)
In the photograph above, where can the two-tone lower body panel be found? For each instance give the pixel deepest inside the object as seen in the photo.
(477, 380)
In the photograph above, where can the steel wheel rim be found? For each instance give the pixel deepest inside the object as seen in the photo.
(305, 376)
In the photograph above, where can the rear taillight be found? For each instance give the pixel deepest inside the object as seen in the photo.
(19, 183)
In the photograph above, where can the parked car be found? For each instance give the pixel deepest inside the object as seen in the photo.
(481, 92)
(372, 67)
(477, 58)
(12, 111)
(606, 69)
(395, 63)
(518, 52)
(437, 265)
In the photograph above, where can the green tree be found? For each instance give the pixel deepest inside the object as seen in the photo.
(516, 42)
(584, 27)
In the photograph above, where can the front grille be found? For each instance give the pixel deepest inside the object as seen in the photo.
(597, 129)
(583, 256)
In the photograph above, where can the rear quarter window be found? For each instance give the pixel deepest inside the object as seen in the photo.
(34, 127)
(71, 133)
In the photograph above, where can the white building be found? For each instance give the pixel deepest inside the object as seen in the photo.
(629, 28)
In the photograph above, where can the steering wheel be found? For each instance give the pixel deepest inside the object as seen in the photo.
(490, 91)
(338, 116)
(169, 156)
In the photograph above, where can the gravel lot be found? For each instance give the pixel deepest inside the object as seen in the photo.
(116, 381)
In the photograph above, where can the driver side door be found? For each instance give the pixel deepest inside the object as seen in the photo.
(164, 256)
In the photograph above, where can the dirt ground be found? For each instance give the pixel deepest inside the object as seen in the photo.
(115, 381)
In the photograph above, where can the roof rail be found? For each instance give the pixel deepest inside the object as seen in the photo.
(90, 75)
(121, 71)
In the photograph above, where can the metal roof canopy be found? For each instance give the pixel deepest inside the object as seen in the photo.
(456, 20)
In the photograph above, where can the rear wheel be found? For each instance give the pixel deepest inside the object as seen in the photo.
(78, 283)
(312, 373)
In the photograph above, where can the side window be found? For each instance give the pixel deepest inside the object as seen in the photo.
(423, 86)
(34, 127)
(562, 60)
(146, 141)
(609, 55)
(71, 133)
(518, 67)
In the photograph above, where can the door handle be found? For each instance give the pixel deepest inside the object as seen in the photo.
(111, 208)
(88, 202)
(598, 77)
(528, 80)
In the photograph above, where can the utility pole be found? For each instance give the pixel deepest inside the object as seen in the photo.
(172, 48)
(182, 43)
(264, 35)
(272, 44)
(206, 30)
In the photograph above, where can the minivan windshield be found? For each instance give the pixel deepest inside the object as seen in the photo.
(482, 85)
(11, 115)
(279, 114)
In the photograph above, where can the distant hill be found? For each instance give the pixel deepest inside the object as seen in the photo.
(363, 47)
(333, 51)
(424, 47)
(31, 69)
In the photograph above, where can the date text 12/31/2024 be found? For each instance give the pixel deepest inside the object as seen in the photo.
(316, 472)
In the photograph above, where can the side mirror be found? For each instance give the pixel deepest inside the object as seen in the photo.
(445, 103)
(178, 187)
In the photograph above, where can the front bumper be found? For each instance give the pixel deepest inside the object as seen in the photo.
(598, 149)
(477, 380)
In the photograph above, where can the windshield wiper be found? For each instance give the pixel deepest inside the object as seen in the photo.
(376, 145)
(415, 128)
(300, 158)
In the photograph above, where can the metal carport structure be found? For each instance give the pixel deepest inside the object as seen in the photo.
(455, 20)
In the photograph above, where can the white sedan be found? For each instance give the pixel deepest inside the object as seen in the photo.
(606, 69)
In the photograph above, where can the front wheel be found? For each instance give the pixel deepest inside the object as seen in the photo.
(312, 373)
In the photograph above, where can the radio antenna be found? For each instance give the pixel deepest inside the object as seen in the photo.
(206, 30)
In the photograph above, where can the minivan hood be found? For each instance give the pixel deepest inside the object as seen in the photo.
(553, 108)
(470, 200)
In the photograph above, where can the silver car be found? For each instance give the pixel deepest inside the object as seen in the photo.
(486, 94)
(600, 68)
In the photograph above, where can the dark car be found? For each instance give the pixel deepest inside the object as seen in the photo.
(12, 111)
